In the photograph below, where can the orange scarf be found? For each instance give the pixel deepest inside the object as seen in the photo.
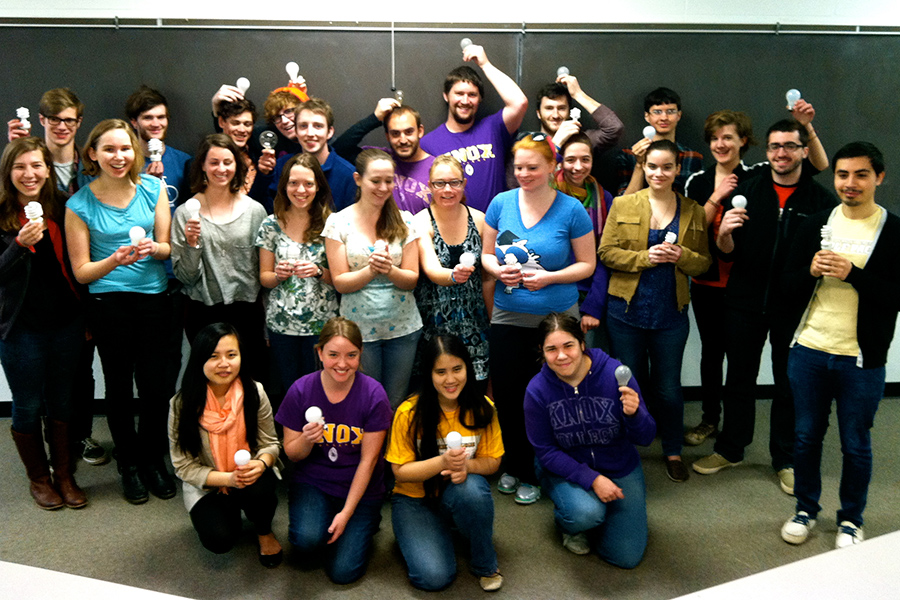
(226, 427)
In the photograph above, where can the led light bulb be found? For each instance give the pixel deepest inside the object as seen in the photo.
(24, 114)
(155, 147)
(792, 96)
(623, 375)
(575, 114)
(293, 69)
(671, 237)
(34, 212)
(465, 43)
(562, 71)
(739, 202)
(243, 84)
(398, 96)
(268, 139)
(241, 457)
(467, 259)
(649, 132)
(454, 440)
(314, 415)
(136, 234)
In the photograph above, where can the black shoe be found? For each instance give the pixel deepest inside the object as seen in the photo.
(270, 561)
(157, 478)
(676, 470)
(134, 489)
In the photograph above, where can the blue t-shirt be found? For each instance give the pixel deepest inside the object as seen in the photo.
(109, 228)
(545, 246)
(338, 172)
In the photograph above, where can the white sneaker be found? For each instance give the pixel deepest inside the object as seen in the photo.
(796, 529)
(848, 534)
(576, 544)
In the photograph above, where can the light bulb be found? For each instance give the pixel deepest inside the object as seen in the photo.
(380, 245)
(293, 69)
(192, 206)
(34, 212)
(575, 114)
(398, 96)
(649, 132)
(454, 440)
(827, 232)
(739, 202)
(268, 139)
(467, 259)
(465, 43)
(510, 259)
(671, 237)
(314, 415)
(136, 234)
(155, 147)
(562, 71)
(623, 375)
(242, 84)
(241, 457)
(24, 114)
(792, 96)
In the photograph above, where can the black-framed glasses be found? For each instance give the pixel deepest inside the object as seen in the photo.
(453, 183)
(790, 147)
(54, 121)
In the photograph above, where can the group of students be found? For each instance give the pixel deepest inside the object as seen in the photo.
(438, 301)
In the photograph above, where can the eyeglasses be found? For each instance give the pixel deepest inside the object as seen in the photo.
(54, 121)
(790, 147)
(286, 116)
(453, 183)
(656, 112)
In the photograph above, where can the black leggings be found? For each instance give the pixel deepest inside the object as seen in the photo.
(217, 516)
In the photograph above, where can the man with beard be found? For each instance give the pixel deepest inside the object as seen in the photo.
(481, 145)
(756, 240)
(148, 111)
(403, 129)
(554, 109)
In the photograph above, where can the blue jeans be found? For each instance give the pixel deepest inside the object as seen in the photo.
(665, 350)
(423, 532)
(617, 530)
(311, 513)
(40, 371)
(294, 356)
(390, 362)
(816, 378)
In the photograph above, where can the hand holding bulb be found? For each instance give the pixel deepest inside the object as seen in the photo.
(562, 72)
(155, 148)
(243, 84)
(454, 459)
(143, 246)
(792, 96)
(192, 225)
(465, 43)
(630, 399)
(315, 425)
(380, 260)
(463, 270)
(293, 70)
(34, 212)
(266, 163)
(649, 132)
(510, 272)
(24, 114)
(33, 231)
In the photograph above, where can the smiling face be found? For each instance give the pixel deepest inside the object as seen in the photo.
(152, 124)
(224, 365)
(340, 360)
(238, 127)
(660, 170)
(577, 162)
(284, 122)
(219, 167)
(403, 135)
(448, 176)
(552, 112)
(377, 183)
(60, 134)
(787, 157)
(114, 153)
(663, 117)
(532, 170)
(313, 131)
(29, 173)
(726, 145)
(449, 377)
(563, 354)
(463, 101)
(855, 181)
(301, 187)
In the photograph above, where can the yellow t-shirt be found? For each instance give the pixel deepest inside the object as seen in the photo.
(478, 443)
(831, 325)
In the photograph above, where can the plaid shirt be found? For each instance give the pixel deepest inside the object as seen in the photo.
(691, 162)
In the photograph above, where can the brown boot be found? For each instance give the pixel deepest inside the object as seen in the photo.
(61, 459)
(31, 450)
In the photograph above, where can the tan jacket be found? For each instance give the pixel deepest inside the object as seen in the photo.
(623, 246)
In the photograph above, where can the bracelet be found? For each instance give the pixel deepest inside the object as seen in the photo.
(319, 272)
(452, 278)
(265, 464)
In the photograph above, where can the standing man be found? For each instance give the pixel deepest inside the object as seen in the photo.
(554, 109)
(148, 111)
(314, 125)
(480, 144)
(403, 129)
(662, 110)
(847, 288)
(755, 240)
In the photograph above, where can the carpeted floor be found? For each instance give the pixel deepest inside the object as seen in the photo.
(704, 532)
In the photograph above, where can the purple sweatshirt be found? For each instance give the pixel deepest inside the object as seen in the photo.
(581, 432)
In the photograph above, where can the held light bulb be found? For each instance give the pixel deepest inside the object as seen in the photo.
(739, 202)
(623, 375)
(242, 84)
(192, 206)
(293, 69)
(454, 440)
(465, 43)
(671, 237)
(792, 96)
(575, 114)
(398, 96)
(268, 139)
(467, 259)
(314, 415)
(34, 212)
(136, 234)
(24, 114)
(241, 457)
(155, 147)
(562, 71)
(649, 132)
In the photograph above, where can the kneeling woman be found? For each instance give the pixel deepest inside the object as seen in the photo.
(338, 485)
(218, 412)
(438, 487)
(583, 426)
